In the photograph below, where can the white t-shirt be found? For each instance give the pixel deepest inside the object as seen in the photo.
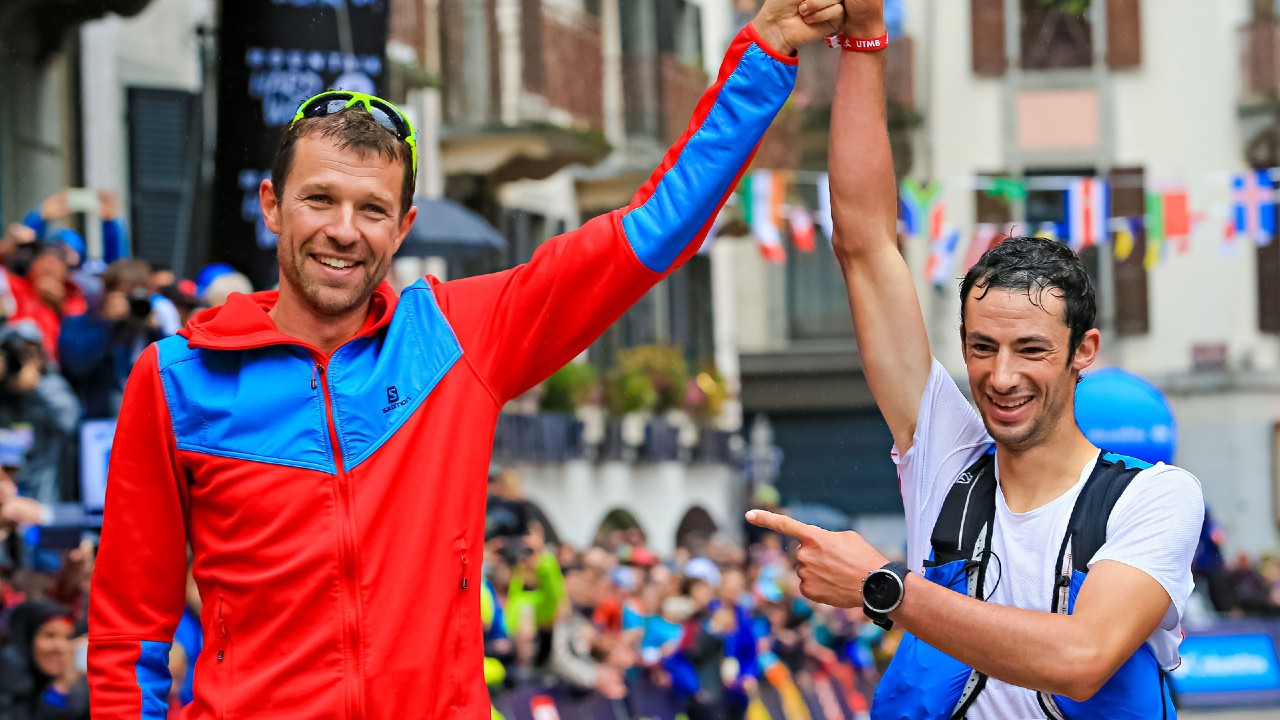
(1154, 527)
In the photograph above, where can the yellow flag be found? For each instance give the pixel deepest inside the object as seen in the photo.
(1124, 243)
(1152, 256)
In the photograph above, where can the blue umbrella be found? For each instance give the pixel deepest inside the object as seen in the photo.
(445, 228)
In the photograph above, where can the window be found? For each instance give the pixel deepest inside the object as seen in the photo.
(1050, 206)
(1056, 34)
(817, 301)
(163, 174)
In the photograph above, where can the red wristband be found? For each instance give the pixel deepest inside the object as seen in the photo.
(858, 44)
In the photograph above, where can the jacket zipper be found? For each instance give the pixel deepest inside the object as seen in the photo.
(222, 653)
(351, 615)
(462, 552)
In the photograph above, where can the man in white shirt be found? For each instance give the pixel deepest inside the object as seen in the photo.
(1059, 592)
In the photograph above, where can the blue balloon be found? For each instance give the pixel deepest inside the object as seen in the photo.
(1123, 413)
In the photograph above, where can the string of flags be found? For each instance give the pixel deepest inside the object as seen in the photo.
(767, 202)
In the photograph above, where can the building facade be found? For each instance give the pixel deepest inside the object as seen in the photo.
(1154, 97)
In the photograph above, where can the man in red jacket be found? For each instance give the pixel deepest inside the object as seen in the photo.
(323, 448)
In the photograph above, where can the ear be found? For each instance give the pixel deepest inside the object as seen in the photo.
(406, 223)
(963, 348)
(270, 206)
(1087, 352)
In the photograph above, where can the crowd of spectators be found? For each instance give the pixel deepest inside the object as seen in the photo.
(1245, 587)
(717, 630)
(73, 321)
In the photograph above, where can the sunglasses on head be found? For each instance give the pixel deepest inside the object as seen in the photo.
(332, 102)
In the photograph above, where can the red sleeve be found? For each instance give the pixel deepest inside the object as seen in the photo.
(519, 326)
(139, 580)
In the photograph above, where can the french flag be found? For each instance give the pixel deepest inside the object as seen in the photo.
(1253, 202)
(1088, 210)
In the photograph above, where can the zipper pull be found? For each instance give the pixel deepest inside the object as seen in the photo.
(463, 556)
(314, 369)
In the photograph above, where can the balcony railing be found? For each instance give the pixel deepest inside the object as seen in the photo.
(554, 437)
(556, 77)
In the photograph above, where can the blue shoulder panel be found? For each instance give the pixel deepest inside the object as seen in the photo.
(1129, 462)
(256, 405)
(687, 195)
(152, 673)
(377, 383)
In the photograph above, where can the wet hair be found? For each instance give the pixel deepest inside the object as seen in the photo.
(1035, 265)
(352, 128)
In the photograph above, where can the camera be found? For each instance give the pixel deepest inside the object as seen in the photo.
(139, 304)
(507, 522)
(16, 351)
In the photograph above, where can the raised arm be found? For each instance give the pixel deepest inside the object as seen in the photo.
(519, 326)
(892, 343)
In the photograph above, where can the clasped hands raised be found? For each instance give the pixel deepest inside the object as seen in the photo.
(787, 24)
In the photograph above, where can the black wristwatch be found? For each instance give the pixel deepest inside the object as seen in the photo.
(882, 592)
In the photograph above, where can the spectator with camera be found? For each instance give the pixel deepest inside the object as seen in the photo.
(36, 400)
(98, 349)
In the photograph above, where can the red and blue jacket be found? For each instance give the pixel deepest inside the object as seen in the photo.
(335, 505)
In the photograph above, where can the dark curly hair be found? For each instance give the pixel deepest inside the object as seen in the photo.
(1034, 265)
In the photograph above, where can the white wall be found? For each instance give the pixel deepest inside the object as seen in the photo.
(157, 48)
(577, 495)
(1225, 439)
(962, 135)
(1177, 117)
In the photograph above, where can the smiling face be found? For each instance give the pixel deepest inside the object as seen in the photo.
(51, 648)
(339, 221)
(1022, 370)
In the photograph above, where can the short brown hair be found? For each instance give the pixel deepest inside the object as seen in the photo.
(352, 128)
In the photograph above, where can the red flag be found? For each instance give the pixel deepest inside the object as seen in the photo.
(801, 229)
(1177, 220)
(984, 236)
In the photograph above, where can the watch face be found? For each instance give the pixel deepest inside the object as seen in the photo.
(881, 590)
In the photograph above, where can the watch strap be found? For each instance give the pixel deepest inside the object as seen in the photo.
(879, 618)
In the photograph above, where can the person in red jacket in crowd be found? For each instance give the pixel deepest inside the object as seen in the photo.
(324, 447)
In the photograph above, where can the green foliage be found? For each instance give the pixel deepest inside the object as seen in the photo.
(628, 392)
(569, 388)
(649, 377)
(1070, 7)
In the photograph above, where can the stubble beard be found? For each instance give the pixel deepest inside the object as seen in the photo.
(327, 299)
(1034, 433)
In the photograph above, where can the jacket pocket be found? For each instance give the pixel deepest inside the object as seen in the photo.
(464, 590)
(222, 657)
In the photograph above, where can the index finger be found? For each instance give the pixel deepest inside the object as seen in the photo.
(780, 523)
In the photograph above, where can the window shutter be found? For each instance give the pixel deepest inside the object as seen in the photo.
(1269, 285)
(164, 146)
(990, 208)
(1128, 199)
(987, 26)
(1124, 34)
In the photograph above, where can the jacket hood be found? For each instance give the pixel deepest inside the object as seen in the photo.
(25, 622)
(243, 323)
